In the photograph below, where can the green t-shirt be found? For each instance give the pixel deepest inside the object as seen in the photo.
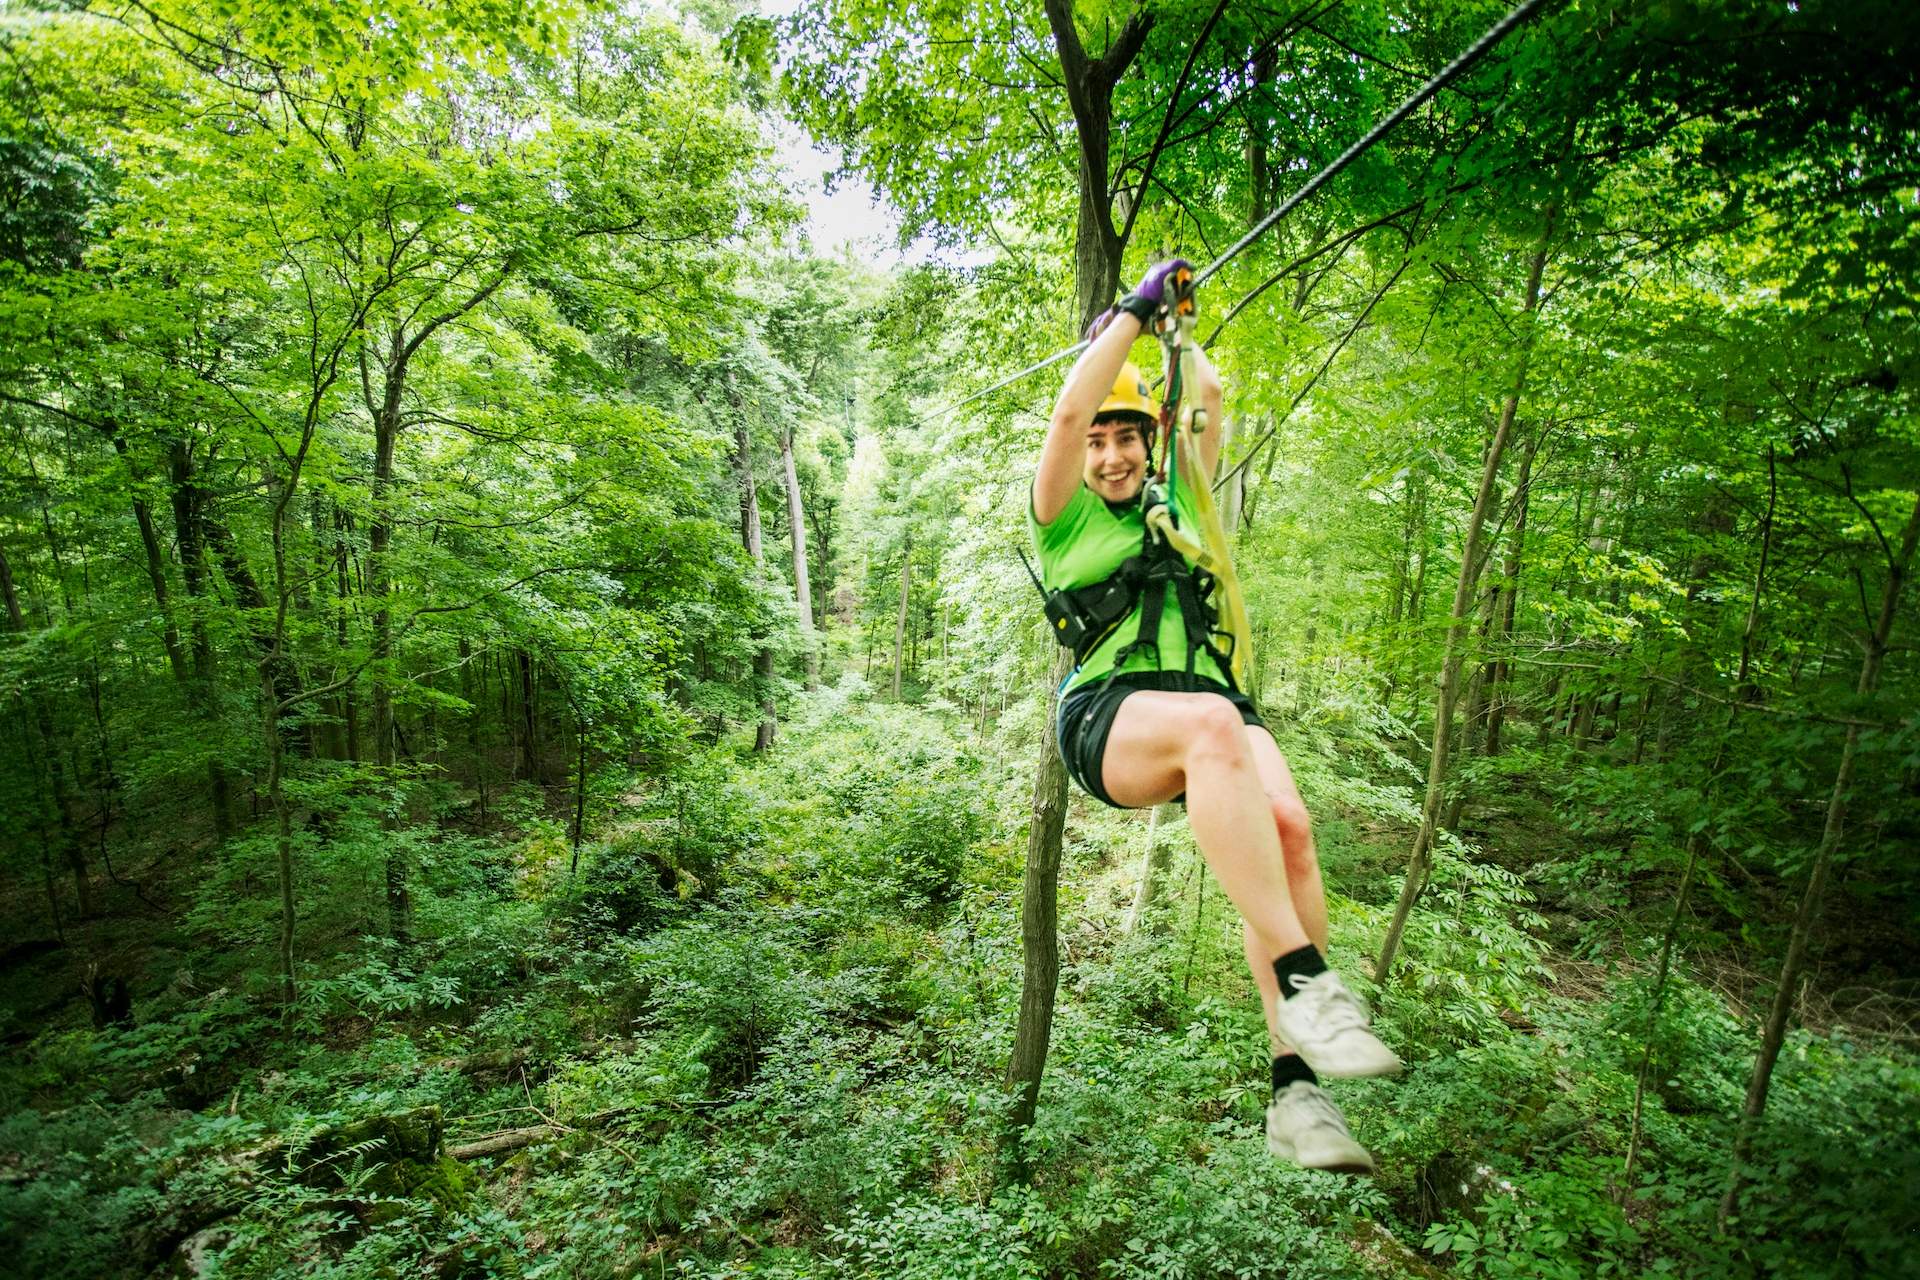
(1085, 544)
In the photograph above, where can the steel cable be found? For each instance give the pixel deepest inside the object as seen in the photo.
(1440, 80)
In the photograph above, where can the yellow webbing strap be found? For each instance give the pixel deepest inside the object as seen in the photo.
(1210, 550)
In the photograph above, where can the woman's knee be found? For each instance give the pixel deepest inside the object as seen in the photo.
(1215, 735)
(1295, 828)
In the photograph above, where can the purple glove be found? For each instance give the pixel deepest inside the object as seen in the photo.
(1100, 323)
(1153, 285)
(1151, 293)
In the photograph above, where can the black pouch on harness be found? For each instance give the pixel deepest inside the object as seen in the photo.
(1081, 617)
(1084, 615)
(1069, 628)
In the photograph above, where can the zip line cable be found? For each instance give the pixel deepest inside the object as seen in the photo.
(1444, 77)
(1441, 79)
(1311, 13)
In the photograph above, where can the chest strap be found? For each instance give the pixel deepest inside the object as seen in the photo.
(1082, 618)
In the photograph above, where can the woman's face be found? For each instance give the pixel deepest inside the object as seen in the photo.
(1116, 458)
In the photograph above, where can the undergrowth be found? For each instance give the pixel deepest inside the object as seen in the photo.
(767, 1038)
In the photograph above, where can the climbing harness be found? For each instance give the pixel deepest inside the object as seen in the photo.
(1193, 562)
(1205, 547)
(1385, 125)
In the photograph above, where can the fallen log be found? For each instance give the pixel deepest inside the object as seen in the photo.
(506, 1140)
(587, 1126)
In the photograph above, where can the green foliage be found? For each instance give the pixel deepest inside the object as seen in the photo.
(379, 392)
(892, 808)
(1474, 955)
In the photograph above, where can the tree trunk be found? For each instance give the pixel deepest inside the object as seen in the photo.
(283, 832)
(349, 704)
(1265, 62)
(189, 504)
(156, 565)
(1089, 82)
(1475, 708)
(252, 600)
(1419, 861)
(1414, 624)
(754, 540)
(900, 623)
(1233, 503)
(529, 723)
(1403, 567)
(386, 432)
(1097, 249)
(1499, 673)
(59, 818)
(1039, 920)
(820, 516)
(16, 620)
(1153, 870)
(797, 532)
(579, 790)
(1784, 991)
(473, 688)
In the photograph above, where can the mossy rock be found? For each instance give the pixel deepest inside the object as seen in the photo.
(383, 1139)
(447, 1183)
(401, 1152)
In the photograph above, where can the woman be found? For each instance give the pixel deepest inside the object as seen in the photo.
(1150, 715)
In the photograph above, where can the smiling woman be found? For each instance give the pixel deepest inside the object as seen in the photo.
(1151, 712)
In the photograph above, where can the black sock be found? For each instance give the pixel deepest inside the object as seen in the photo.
(1289, 1067)
(1307, 962)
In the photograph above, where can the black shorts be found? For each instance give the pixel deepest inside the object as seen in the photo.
(1086, 717)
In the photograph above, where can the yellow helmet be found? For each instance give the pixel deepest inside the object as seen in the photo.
(1129, 394)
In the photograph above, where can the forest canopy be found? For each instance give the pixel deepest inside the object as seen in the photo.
(528, 738)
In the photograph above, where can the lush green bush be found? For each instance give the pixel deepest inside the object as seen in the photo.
(774, 1046)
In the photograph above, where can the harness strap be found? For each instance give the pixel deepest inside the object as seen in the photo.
(1166, 567)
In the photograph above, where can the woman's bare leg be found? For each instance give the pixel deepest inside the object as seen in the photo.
(1164, 743)
(1303, 872)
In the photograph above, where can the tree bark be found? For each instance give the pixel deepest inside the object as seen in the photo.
(820, 516)
(59, 819)
(1475, 707)
(1153, 870)
(156, 565)
(1233, 502)
(754, 540)
(797, 533)
(1499, 672)
(1697, 840)
(252, 600)
(1420, 860)
(1097, 243)
(386, 433)
(1784, 991)
(529, 720)
(1414, 620)
(189, 506)
(282, 832)
(1265, 63)
(1039, 921)
(1097, 251)
(900, 622)
(579, 791)
(349, 704)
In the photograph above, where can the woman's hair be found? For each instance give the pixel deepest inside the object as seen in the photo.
(1126, 417)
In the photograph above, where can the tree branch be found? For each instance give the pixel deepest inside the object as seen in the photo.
(1166, 123)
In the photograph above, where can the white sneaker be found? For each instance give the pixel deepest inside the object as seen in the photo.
(1305, 1127)
(1327, 1025)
